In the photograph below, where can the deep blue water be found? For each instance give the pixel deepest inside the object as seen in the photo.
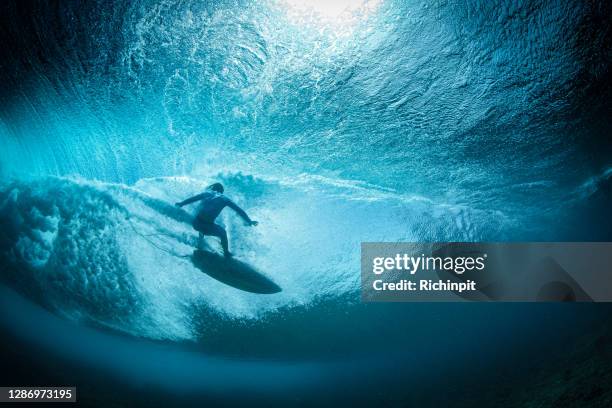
(388, 121)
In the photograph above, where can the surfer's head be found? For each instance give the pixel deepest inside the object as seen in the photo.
(218, 187)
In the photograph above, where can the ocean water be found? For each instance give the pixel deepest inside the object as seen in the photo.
(331, 123)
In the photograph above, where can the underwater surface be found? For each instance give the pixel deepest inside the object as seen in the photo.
(332, 123)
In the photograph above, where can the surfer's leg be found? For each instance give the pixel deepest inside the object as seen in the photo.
(220, 232)
(215, 230)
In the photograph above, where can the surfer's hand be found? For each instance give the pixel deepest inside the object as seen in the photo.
(252, 223)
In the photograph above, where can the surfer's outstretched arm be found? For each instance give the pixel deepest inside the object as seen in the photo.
(240, 212)
(190, 200)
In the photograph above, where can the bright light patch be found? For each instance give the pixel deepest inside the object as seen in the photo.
(329, 12)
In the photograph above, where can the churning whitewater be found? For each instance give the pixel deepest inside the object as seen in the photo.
(117, 256)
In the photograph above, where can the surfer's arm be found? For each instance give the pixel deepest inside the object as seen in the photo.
(190, 200)
(240, 212)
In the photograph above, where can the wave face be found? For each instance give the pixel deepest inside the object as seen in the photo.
(390, 120)
(447, 101)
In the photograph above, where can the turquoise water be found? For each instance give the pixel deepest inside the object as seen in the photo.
(332, 124)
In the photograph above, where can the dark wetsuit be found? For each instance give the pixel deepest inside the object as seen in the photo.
(211, 205)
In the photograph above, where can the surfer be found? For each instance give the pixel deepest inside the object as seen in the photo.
(212, 203)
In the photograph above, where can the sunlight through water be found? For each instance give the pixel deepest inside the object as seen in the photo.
(342, 15)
